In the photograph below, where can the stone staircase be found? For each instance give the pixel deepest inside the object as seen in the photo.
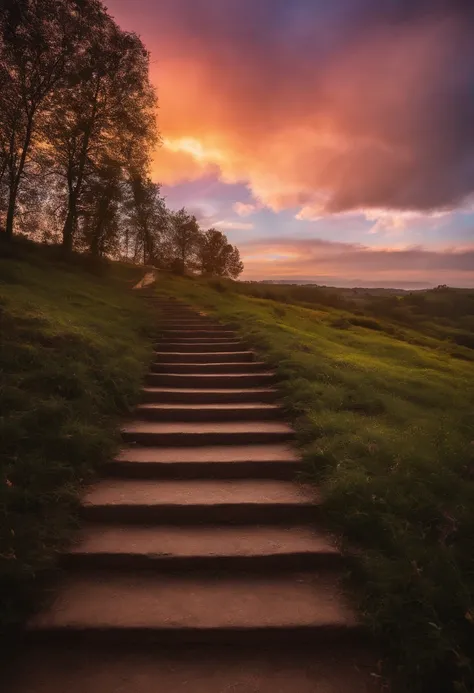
(198, 532)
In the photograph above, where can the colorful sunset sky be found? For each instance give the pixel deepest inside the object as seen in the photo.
(331, 140)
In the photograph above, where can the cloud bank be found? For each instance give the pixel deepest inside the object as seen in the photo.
(322, 107)
(330, 261)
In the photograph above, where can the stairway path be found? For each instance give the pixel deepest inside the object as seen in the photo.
(199, 534)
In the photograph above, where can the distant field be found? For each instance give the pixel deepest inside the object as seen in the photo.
(382, 398)
(74, 343)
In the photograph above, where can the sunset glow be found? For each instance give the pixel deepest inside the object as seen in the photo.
(339, 124)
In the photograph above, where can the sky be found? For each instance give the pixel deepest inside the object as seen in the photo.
(332, 141)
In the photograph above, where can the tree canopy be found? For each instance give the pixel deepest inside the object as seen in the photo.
(78, 129)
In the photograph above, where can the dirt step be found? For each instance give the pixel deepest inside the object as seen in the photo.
(202, 346)
(173, 609)
(194, 413)
(277, 461)
(205, 357)
(202, 548)
(213, 381)
(211, 367)
(206, 433)
(208, 395)
(201, 502)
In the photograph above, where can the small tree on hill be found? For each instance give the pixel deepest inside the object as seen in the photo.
(217, 256)
(185, 240)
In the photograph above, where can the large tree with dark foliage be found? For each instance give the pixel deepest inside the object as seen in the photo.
(109, 109)
(217, 256)
(185, 238)
(77, 134)
(39, 43)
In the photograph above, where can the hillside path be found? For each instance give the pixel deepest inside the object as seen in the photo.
(200, 566)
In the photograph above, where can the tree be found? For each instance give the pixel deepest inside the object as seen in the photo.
(218, 257)
(185, 239)
(38, 41)
(109, 111)
(100, 210)
(147, 218)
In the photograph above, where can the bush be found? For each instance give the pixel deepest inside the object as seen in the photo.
(368, 323)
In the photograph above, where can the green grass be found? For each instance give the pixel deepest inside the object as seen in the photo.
(383, 410)
(74, 343)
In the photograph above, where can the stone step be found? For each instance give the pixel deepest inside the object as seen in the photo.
(210, 367)
(171, 319)
(186, 434)
(194, 413)
(200, 502)
(208, 396)
(213, 381)
(198, 332)
(270, 461)
(201, 346)
(178, 312)
(196, 609)
(146, 668)
(204, 357)
(186, 325)
(225, 548)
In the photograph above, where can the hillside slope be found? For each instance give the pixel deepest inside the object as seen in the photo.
(73, 347)
(384, 415)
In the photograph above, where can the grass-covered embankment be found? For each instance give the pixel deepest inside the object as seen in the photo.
(74, 344)
(384, 415)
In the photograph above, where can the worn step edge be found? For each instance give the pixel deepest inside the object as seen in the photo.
(165, 395)
(211, 380)
(225, 513)
(204, 357)
(291, 561)
(202, 549)
(211, 367)
(189, 413)
(278, 470)
(212, 438)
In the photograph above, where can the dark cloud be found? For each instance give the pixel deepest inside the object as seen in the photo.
(343, 105)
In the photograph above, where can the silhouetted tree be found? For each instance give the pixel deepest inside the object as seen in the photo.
(185, 239)
(217, 256)
(100, 212)
(147, 218)
(77, 132)
(39, 40)
(110, 103)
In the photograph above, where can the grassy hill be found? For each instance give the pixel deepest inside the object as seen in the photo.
(74, 343)
(380, 389)
(382, 397)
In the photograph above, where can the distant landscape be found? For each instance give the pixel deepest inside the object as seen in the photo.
(294, 181)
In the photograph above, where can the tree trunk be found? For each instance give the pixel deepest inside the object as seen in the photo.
(69, 224)
(16, 178)
(11, 214)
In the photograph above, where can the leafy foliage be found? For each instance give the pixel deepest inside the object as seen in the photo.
(217, 256)
(77, 133)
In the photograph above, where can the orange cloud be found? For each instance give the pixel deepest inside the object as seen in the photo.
(354, 119)
(243, 209)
